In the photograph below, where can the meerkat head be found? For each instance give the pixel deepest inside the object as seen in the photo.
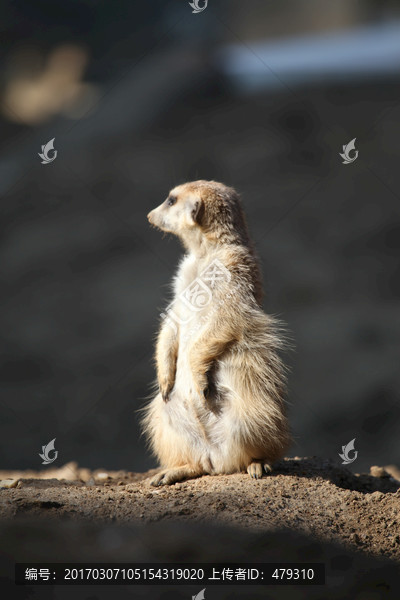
(178, 213)
(202, 210)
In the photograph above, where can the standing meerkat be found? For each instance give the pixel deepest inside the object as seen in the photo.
(220, 406)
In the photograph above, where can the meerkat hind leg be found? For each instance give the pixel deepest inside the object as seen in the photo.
(267, 468)
(170, 476)
(255, 469)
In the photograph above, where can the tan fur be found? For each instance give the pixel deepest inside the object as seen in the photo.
(220, 406)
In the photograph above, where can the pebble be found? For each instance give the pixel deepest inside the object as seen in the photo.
(8, 483)
(377, 496)
(378, 472)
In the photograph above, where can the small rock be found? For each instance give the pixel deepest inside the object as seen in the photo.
(85, 475)
(8, 483)
(378, 472)
(377, 496)
(394, 471)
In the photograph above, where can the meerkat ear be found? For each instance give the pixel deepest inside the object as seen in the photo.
(197, 210)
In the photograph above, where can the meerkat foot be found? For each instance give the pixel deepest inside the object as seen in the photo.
(255, 470)
(170, 476)
(267, 468)
(157, 478)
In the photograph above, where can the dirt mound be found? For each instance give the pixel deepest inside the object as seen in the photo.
(307, 495)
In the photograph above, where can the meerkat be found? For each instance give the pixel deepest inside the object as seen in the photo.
(220, 405)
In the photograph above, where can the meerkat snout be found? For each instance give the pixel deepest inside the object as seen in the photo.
(179, 213)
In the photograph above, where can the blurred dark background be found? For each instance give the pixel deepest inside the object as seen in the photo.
(140, 97)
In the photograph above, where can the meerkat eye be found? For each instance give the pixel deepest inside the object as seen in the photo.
(171, 200)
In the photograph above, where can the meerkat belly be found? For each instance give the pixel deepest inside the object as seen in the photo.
(185, 400)
(187, 412)
(206, 425)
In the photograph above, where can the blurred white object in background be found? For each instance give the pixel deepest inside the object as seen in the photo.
(365, 52)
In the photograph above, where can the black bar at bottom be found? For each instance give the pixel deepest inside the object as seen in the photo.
(169, 574)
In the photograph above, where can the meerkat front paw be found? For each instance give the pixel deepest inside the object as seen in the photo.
(166, 389)
(201, 386)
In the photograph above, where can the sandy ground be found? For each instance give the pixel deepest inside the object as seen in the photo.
(306, 495)
(309, 510)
